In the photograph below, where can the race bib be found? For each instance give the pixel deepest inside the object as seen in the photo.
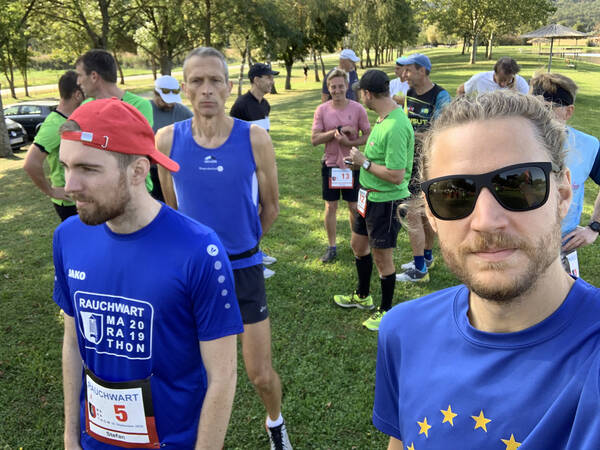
(361, 205)
(571, 263)
(341, 178)
(120, 414)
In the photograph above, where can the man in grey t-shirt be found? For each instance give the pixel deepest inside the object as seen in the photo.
(167, 109)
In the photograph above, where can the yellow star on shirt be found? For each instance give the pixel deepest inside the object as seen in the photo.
(411, 446)
(511, 444)
(424, 427)
(481, 421)
(448, 415)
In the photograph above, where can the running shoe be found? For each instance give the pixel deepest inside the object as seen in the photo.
(413, 275)
(354, 301)
(372, 323)
(269, 259)
(268, 273)
(411, 265)
(279, 438)
(329, 255)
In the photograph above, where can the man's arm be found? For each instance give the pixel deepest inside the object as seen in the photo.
(34, 166)
(71, 367)
(266, 172)
(582, 236)
(164, 141)
(322, 137)
(220, 360)
(460, 90)
(343, 139)
(395, 444)
(394, 176)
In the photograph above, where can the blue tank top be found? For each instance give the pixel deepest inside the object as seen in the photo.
(219, 188)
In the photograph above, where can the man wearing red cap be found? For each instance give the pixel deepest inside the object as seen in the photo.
(228, 181)
(149, 350)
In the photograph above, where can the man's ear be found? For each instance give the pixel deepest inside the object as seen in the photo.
(565, 192)
(432, 219)
(139, 169)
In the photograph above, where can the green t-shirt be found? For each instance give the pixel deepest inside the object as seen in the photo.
(144, 106)
(391, 144)
(48, 140)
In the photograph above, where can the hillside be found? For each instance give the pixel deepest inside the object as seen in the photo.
(583, 15)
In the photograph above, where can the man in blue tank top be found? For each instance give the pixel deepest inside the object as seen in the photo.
(150, 314)
(228, 181)
(583, 160)
(510, 359)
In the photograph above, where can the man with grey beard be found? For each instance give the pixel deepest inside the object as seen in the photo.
(511, 357)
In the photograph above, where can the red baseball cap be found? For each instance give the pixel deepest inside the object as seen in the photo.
(113, 125)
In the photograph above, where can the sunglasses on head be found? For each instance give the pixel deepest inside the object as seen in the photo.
(520, 187)
(169, 91)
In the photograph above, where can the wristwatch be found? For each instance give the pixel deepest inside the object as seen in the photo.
(595, 226)
(367, 164)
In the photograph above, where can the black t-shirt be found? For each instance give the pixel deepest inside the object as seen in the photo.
(248, 108)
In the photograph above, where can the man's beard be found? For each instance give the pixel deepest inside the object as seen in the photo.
(100, 213)
(541, 254)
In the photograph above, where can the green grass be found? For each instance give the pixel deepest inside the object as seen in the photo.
(325, 358)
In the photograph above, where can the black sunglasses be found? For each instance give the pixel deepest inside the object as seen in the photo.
(169, 91)
(520, 187)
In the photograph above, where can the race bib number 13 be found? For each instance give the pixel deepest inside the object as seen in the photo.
(340, 178)
(120, 414)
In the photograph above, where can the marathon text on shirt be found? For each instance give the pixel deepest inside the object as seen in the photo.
(115, 325)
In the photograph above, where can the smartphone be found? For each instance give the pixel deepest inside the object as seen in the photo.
(348, 161)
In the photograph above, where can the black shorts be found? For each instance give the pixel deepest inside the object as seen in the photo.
(250, 292)
(380, 223)
(64, 212)
(332, 195)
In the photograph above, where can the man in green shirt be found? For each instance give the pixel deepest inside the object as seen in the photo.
(385, 172)
(97, 78)
(46, 145)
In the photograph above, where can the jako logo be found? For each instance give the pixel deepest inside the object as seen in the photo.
(77, 274)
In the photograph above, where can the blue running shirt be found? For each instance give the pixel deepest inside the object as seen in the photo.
(442, 384)
(219, 187)
(141, 303)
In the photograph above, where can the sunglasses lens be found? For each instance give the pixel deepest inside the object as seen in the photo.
(169, 91)
(521, 189)
(452, 198)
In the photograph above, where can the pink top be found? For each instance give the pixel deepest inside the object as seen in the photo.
(328, 118)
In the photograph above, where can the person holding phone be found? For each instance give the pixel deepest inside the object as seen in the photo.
(340, 124)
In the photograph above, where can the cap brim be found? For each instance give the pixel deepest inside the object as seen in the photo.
(163, 160)
(169, 98)
(274, 72)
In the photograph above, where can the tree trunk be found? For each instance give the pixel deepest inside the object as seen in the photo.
(368, 62)
(490, 46)
(464, 46)
(362, 58)
(153, 64)
(5, 150)
(25, 81)
(165, 64)
(473, 59)
(207, 26)
(288, 75)
(322, 65)
(241, 77)
(314, 55)
(120, 69)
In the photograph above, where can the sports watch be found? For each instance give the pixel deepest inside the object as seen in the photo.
(595, 226)
(367, 164)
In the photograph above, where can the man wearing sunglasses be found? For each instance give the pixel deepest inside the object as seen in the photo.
(504, 76)
(583, 160)
(510, 357)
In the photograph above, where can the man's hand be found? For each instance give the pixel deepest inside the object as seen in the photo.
(357, 157)
(342, 139)
(579, 237)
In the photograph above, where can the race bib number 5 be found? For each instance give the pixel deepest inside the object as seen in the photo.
(120, 414)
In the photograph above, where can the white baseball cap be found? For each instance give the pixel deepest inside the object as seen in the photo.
(168, 89)
(348, 53)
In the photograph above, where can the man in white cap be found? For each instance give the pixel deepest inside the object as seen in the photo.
(166, 104)
(399, 86)
(348, 60)
(166, 109)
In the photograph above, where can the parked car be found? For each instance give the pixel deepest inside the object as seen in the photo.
(30, 114)
(16, 133)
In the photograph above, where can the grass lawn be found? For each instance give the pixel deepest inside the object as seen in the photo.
(326, 360)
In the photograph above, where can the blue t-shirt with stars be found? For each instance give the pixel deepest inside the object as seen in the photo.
(442, 384)
(142, 302)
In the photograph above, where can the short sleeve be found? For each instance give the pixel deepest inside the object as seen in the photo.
(212, 291)
(363, 120)
(47, 137)
(318, 124)
(471, 84)
(522, 85)
(61, 294)
(443, 99)
(386, 415)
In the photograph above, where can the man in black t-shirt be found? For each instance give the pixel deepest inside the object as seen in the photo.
(252, 106)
